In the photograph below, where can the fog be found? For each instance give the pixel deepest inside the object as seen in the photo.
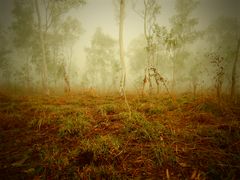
(87, 56)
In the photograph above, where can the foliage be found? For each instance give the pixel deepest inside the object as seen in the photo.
(182, 24)
(23, 25)
(182, 33)
(62, 7)
(60, 48)
(222, 34)
(4, 52)
(137, 54)
(57, 36)
(217, 62)
(102, 66)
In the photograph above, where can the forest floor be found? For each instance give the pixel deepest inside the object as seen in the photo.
(87, 136)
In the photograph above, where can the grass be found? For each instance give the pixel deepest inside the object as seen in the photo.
(163, 154)
(102, 147)
(92, 137)
(107, 109)
(77, 124)
(142, 129)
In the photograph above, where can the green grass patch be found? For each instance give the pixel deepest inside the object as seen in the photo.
(39, 122)
(100, 172)
(210, 107)
(108, 109)
(163, 154)
(142, 129)
(102, 147)
(77, 124)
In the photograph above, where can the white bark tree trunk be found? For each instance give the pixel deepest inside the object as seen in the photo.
(121, 46)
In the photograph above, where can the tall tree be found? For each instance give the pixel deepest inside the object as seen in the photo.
(4, 59)
(182, 33)
(23, 31)
(68, 33)
(44, 59)
(149, 15)
(101, 62)
(137, 58)
(51, 13)
(223, 36)
(122, 54)
(121, 46)
(234, 70)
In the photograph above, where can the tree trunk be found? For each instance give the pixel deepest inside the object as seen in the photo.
(194, 89)
(121, 46)
(44, 65)
(28, 74)
(69, 65)
(66, 80)
(123, 76)
(234, 70)
(173, 75)
(148, 46)
(149, 80)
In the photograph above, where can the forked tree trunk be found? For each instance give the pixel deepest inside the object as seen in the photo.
(234, 70)
(148, 45)
(44, 62)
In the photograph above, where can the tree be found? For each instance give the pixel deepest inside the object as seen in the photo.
(234, 70)
(43, 49)
(62, 44)
(101, 63)
(182, 33)
(122, 54)
(149, 14)
(198, 73)
(23, 31)
(121, 47)
(52, 13)
(223, 36)
(137, 58)
(4, 59)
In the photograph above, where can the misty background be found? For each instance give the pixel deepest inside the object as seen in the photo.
(82, 50)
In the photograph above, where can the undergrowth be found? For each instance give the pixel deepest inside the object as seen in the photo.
(76, 125)
(142, 129)
(93, 137)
